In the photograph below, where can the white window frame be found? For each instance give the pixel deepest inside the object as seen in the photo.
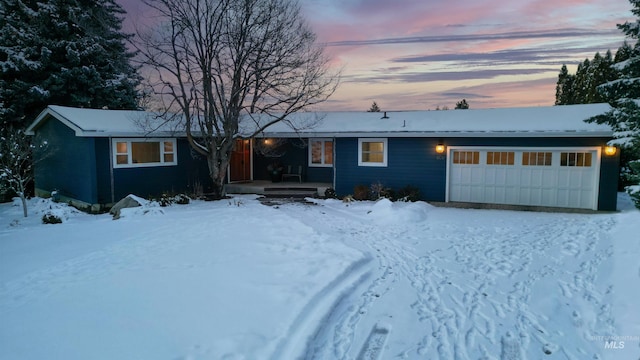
(385, 148)
(323, 161)
(130, 164)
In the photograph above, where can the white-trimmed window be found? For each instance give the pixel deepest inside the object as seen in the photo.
(321, 152)
(144, 152)
(372, 152)
(579, 159)
(466, 157)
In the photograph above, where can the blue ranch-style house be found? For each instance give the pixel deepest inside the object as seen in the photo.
(539, 156)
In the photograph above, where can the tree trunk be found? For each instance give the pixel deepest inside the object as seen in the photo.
(24, 203)
(218, 161)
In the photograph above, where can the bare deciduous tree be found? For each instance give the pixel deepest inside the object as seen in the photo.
(222, 63)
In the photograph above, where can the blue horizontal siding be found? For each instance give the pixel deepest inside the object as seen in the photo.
(69, 163)
(412, 161)
(150, 182)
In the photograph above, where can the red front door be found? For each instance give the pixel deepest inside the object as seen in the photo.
(240, 165)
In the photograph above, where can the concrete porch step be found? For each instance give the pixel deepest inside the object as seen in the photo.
(290, 192)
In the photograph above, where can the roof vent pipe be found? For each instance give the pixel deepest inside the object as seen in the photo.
(385, 115)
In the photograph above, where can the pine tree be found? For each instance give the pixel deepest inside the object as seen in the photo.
(463, 104)
(64, 52)
(624, 96)
(374, 108)
(564, 87)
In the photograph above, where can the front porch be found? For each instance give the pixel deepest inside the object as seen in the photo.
(278, 189)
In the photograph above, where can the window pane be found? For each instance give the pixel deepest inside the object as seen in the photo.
(316, 152)
(145, 152)
(587, 159)
(476, 157)
(511, 157)
(525, 158)
(373, 146)
(122, 159)
(328, 152)
(372, 157)
(168, 147)
(121, 148)
(547, 159)
(168, 158)
(456, 157)
(563, 159)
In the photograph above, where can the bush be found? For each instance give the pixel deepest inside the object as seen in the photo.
(409, 193)
(182, 199)
(361, 192)
(330, 193)
(50, 218)
(168, 200)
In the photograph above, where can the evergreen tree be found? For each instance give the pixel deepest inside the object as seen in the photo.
(624, 53)
(463, 104)
(374, 108)
(64, 52)
(564, 87)
(624, 96)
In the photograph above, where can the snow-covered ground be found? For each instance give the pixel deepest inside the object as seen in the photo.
(235, 279)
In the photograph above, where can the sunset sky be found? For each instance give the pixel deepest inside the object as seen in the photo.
(423, 54)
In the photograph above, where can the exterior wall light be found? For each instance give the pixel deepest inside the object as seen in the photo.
(267, 142)
(610, 150)
(440, 149)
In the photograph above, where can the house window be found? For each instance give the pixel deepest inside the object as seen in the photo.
(321, 152)
(466, 157)
(500, 157)
(536, 158)
(575, 159)
(144, 152)
(372, 152)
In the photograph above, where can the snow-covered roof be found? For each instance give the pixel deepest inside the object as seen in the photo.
(550, 121)
(105, 123)
(567, 120)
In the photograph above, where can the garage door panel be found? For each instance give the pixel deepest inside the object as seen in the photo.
(539, 180)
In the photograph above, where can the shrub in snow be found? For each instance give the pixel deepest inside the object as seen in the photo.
(50, 218)
(361, 192)
(408, 193)
(330, 193)
(634, 190)
(168, 200)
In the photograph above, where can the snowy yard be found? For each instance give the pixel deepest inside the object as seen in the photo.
(235, 279)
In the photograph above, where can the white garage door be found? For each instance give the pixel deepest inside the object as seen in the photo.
(539, 177)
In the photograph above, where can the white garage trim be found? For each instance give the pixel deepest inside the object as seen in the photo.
(565, 177)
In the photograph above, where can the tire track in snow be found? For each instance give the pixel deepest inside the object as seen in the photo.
(460, 292)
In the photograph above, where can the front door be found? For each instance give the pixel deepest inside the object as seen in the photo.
(240, 164)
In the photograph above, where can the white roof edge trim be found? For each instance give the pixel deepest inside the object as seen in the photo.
(452, 134)
(49, 111)
(105, 134)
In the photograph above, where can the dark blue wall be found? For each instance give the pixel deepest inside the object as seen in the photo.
(69, 164)
(413, 161)
(80, 168)
(609, 175)
(149, 182)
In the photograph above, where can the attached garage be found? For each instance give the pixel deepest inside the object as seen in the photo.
(554, 177)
